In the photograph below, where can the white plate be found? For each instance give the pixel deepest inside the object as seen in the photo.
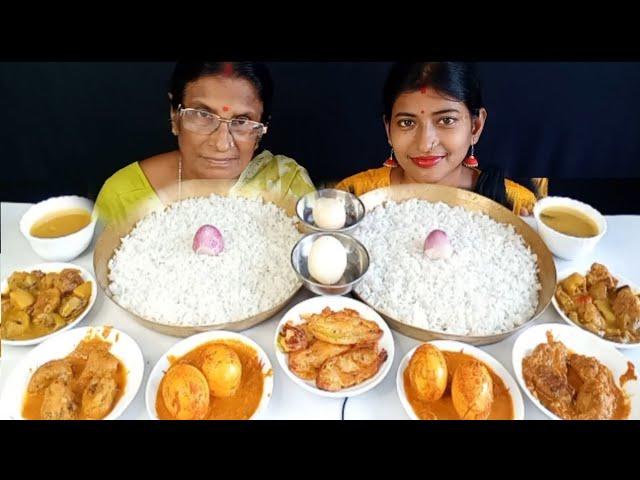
(191, 343)
(582, 343)
(621, 281)
(48, 268)
(123, 347)
(484, 357)
(315, 305)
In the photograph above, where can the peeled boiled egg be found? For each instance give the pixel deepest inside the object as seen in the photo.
(185, 392)
(223, 370)
(428, 373)
(329, 213)
(472, 391)
(327, 260)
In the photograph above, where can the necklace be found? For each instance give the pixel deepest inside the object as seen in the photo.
(179, 177)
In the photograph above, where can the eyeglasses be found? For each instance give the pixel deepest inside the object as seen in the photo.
(201, 121)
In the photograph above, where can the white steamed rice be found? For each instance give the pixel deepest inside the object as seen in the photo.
(156, 274)
(488, 286)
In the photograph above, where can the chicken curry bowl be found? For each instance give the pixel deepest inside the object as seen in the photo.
(44, 299)
(89, 373)
(334, 349)
(574, 386)
(84, 385)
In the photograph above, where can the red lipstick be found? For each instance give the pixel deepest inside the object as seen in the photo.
(427, 162)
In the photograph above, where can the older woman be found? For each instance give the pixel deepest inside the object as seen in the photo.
(219, 113)
(434, 116)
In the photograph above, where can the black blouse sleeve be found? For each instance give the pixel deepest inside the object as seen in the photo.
(490, 184)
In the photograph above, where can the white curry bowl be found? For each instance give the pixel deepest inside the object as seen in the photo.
(566, 246)
(59, 249)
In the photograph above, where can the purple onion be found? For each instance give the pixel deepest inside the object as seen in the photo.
(437, 245)
(208, 240)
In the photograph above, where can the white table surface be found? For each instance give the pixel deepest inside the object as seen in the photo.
(618, 250)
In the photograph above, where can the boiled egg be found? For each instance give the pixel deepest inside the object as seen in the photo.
(329, 213)
(327, 260)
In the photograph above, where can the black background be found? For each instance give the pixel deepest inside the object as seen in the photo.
(67, 126)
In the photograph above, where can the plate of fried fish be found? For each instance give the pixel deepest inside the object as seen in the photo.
(334, 346)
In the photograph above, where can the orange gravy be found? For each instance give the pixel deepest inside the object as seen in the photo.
(629, 375)
(623, 405)
(442, 409)
(78, 359)
(240, 406)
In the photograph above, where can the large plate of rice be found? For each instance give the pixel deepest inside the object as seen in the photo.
(147, 266)
(499, 279)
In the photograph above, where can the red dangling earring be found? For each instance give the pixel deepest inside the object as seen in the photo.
(390, 162)
(471, 161)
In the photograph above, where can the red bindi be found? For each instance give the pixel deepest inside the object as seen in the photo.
(225, 109)
(423, 90)
(227, 69)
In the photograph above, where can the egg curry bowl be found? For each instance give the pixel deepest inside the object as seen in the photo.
(211, 376)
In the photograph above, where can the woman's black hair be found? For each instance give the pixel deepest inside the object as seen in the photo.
(256, 73)
(458, 80)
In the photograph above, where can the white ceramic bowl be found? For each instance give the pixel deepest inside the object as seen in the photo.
(191, 343)
(621, 281)
(315, 305)
(484, 357)
(566, 246)
(47, 268)
(123, 347)
(60, 249)
(582, 343)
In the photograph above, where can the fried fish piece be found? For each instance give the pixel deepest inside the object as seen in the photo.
(305, 363)
(293, 338)
(345, 327)
(350, 368)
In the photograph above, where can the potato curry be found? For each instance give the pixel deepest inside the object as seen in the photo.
(37, 303)
(598, 304)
